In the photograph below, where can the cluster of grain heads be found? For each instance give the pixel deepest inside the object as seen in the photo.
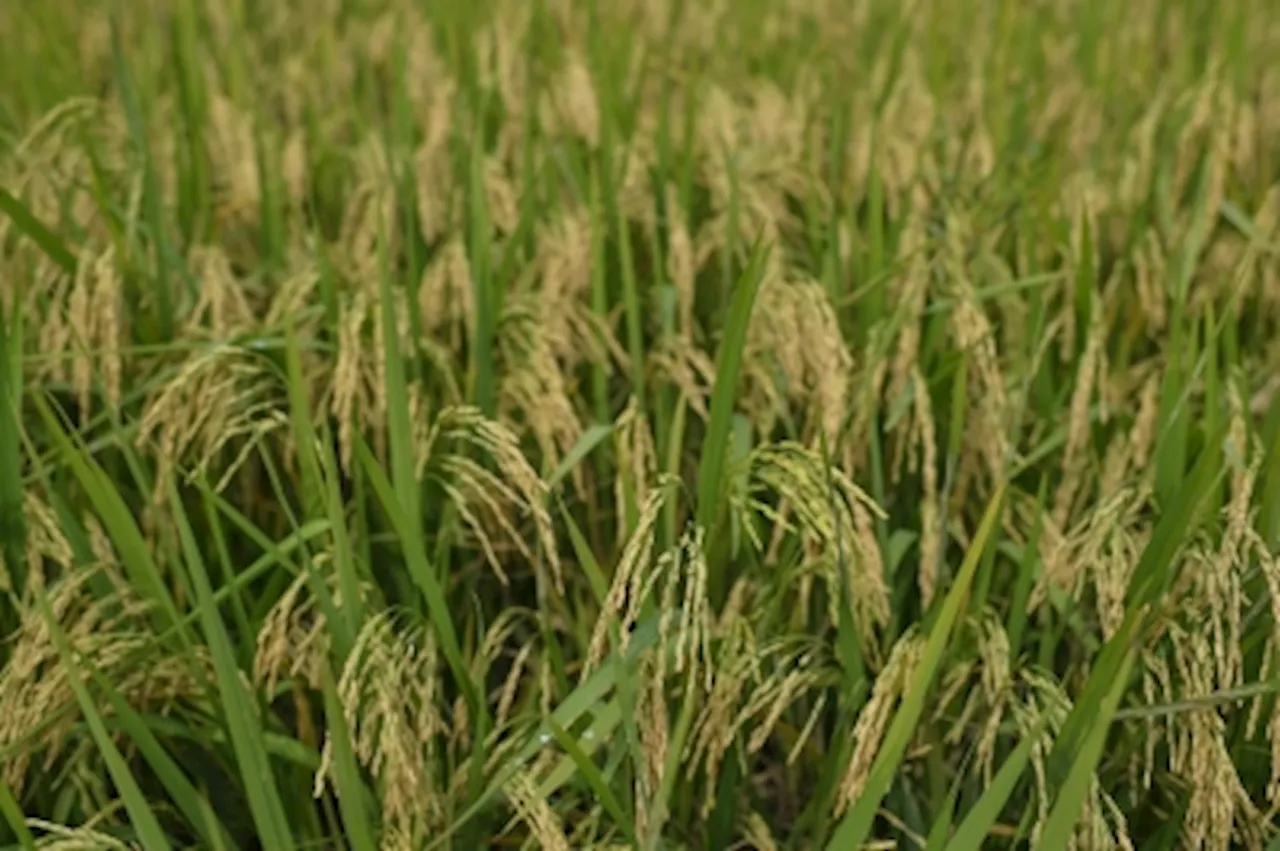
(107, 631)
(646, 367)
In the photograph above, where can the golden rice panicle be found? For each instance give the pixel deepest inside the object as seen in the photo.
(59, 837)
(285, 639)
(53, 329)
(1267, 222)
(1042, 713)
(677, 361)
(874, 718)
(294, 167)
(515, 491)
(295, 636)
(97, 326)
(590, 829)
(563, 258)
(684, 639)
(290, 298)
(736, 667)
(1116, 833)
(634, 191)
(1269, 563)
(835, 523)
(828, 361)
(218, 397)
(1111, 547)
(990, 701)
(223, 308)
(931, 532)
(108, 633)
(799, 673)
(753, 687)
(1219, 808)
(795, 327)
(1079, 424)
(1199, 110)
(986, 437)
(351, 391)
(630, 576)
(901, 133)
(371, 215)
(774, 157)
(773, 343)
(694, 630)
(526, 671)
(1142, 435)
(573, 331)
(1138, 166)
(389, 690)
(1115, 467)
(867, 584)
(50, 170)
(401, 330)
(570, 106)
(435, 183)
(503, 67)
(45, 542)
(653, 724)
(502, 196)
(756, 834)
(718, 129)
(496, 639)
(535, 811)
(682, 262)
(446, 298)
(980, 153)
(637, 458)
(233, 158)
(1157, 686)
(511, 685)
(1103, 546)
(913, 295)
(1222, 580)
(534, 392)
(1058, 571)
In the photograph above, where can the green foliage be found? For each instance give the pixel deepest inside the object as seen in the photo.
(661, 426)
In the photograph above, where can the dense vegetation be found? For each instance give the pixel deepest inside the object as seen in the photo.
(660, 424)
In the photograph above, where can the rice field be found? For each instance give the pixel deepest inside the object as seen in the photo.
(675, 425)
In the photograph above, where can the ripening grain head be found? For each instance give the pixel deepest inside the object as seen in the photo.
(111, 634)
(873, 720)
(390, 692)
(219, 397)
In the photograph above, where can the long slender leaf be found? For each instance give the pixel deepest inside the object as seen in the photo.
(181, 791)
(594, 777)
(351, 792)
(13, 816)
(265, 803)
(973, 832)
(49, 242)
(715, 447)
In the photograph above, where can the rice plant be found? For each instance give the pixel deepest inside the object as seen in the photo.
(647, 424)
